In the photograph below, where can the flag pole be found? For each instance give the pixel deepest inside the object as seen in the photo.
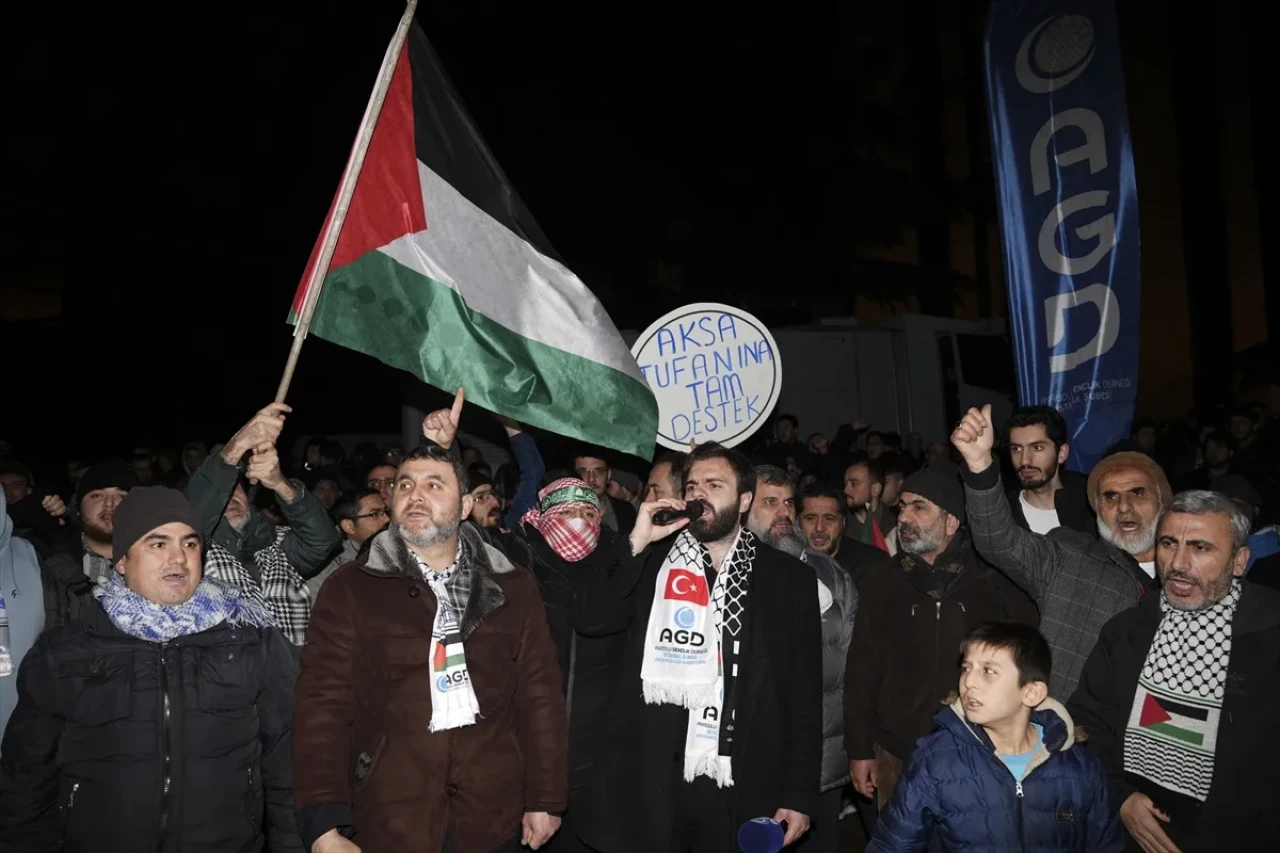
(345, 191)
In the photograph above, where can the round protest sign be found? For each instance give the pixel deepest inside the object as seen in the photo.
(715, 371)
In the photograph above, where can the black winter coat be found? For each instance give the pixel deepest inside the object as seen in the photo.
(1240, 814)
(777, 744)
(905, 655)
(119, 745)
(589, 665)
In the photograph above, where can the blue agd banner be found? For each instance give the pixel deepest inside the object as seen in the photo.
(1069, 212)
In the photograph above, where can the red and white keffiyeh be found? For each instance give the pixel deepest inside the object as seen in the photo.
(573, 539)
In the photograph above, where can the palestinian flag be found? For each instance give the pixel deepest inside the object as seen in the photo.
(1171, 740)
(869, 531)
(441, 271)
(447, 653)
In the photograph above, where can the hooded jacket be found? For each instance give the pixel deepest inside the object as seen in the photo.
(22, 591)
(365, 761)
(955, 786)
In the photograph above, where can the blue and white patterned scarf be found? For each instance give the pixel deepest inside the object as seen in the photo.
(210, 605)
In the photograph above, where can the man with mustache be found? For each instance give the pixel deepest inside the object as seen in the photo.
(1077, 581)
(1048, 496)
(822, 521)
(924, 599)
(158, 720)
(718, 711)
(1179, 695)
(773, 519)
(429, 707)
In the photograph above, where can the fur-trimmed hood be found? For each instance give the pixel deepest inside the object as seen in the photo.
(390, 556)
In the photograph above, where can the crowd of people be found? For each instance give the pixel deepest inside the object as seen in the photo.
(961, 645)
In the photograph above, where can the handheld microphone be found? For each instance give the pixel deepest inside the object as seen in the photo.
(761, 835)
(692, 510)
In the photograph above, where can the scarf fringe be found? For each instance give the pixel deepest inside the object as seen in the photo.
(716, 767)
(691, 696)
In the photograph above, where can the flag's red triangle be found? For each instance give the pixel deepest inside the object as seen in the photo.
(877, 538)
(388, 199)
(1152, 712)
(440, 657)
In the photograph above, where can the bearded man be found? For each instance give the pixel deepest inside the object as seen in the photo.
(1180, 693)
(429, 708)
(773, 520)
(1047, 496)
(718, 715)
(928, 597)
(1078, 582)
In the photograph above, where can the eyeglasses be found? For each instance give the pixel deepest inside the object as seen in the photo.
(377, 513)
(376, 484)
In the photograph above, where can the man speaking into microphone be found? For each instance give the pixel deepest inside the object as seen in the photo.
(718, 715)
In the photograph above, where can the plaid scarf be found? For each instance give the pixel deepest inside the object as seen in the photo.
(278, 587)
(1172, 733)
(573, 539)
(96, 567)
(453, 699)
(209, 606)
(678, 667)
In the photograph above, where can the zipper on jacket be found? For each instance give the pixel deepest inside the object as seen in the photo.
(1022, 840)
(165, 745)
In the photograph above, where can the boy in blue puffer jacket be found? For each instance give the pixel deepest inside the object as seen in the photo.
(998, 773)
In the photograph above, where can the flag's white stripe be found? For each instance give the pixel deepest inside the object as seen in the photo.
(507, 280)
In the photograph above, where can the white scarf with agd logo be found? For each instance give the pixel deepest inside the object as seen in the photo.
(683, 662)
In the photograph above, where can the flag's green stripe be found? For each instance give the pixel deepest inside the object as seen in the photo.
(404, 319)
(1194, 738)
(451, 660)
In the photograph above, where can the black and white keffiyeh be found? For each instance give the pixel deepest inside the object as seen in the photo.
(693, 643)
(1172, 734)
(279, 587)
(453, 699)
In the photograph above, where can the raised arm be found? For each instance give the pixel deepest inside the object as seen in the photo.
(531, 467)
(213, 482)
(605, 605)
(1027, 558)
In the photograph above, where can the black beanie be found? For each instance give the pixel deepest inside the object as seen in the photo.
(111, 474)
(145, 509)
(940, 486)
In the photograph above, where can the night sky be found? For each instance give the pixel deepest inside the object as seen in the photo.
(700, 153)
(176, 171)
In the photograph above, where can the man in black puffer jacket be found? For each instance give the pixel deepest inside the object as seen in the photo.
(145, 727)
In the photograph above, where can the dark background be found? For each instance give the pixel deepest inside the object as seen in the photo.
(167, 169)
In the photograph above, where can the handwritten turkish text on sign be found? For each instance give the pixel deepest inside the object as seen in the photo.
(715, 372)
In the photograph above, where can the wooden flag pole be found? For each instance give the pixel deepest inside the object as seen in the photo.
(345, 191)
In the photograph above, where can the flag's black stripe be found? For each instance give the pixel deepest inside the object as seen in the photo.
(449, 143)
(1201, 714)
